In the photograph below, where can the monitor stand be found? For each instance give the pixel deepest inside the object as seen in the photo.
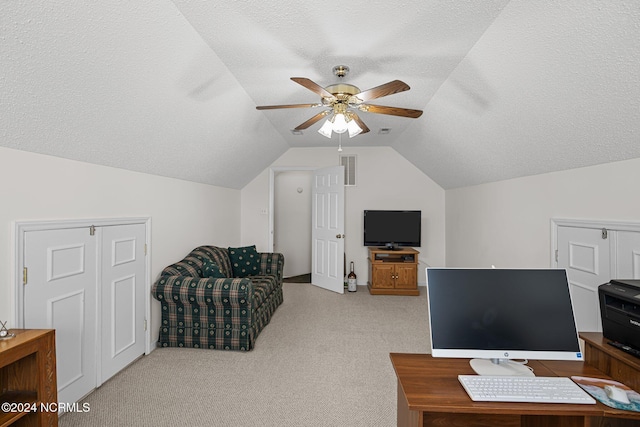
(500, 367)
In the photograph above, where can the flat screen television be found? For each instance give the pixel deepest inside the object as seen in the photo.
(392, 228)
(494, 316)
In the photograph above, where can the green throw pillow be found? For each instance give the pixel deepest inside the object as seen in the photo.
(244, 261)
(211, 270)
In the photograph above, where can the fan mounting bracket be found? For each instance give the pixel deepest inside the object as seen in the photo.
(340, 70)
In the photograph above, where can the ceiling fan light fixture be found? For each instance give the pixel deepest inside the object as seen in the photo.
(353, 128)
(339, 123)
(326, 129)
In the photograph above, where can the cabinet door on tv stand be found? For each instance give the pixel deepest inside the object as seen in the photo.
(406, 276)
(383, 276)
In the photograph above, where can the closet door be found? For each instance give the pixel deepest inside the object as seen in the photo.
(594, 253)
(585, 255)
(60, 293)
(628, 255)
(89, 283)
(122, 289)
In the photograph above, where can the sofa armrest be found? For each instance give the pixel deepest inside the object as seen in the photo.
(228, 292)
(272, 263)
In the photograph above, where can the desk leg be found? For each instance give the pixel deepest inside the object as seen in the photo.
(406, 418)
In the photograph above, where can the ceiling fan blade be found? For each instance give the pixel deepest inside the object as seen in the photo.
(360, 123)
(313, 120)
(382, 90)
(273, 107)
(393, 111)
(313, 87)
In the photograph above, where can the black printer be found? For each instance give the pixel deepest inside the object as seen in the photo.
(620, 312)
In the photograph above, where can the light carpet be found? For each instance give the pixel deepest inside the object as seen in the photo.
(322, 361)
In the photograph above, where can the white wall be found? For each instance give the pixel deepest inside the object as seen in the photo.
(183, 214)
(292, 220)
(385, 180)
(508, 223)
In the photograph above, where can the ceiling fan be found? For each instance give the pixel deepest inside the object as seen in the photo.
(342, 100)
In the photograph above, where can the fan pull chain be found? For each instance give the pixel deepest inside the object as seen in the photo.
(339, 142)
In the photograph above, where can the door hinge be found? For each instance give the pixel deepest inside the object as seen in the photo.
(145, 324)
(92, 230)
(24, 275)
(556, 255)
(145, 249)
(605, 233)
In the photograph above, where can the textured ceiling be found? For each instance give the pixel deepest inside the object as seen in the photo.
(509, 88)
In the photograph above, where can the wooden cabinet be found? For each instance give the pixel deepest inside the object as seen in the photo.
(617, 364)
(393, 272)
(28, 384)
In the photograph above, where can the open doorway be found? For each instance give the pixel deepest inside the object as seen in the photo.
(292, 222)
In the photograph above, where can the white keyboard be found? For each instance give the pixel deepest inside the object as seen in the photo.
(482, 388)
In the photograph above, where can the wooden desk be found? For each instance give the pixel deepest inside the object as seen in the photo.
(429, 394)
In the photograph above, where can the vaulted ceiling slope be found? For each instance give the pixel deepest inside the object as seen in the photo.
(508, 88)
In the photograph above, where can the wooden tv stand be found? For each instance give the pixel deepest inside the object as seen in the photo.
(393, 272)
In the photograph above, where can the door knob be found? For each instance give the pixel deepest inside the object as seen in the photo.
(339, 236)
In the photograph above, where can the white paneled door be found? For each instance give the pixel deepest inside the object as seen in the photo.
(123, 297)
(60, 294)
(628, 255)
(88, 283)
(327, 228)
(593, 254)
(585, 255)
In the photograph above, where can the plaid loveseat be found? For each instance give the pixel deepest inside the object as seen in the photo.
(224, 313)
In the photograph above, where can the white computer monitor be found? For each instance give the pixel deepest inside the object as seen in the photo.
(501, 317)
